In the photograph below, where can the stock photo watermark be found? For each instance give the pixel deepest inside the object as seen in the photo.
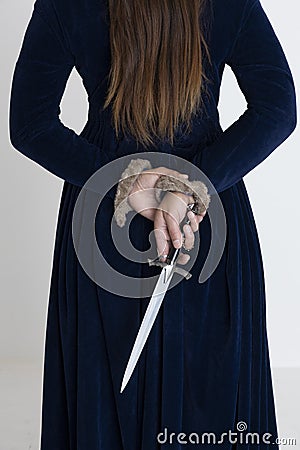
(240, 436)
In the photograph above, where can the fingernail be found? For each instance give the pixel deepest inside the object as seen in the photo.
(176, 243)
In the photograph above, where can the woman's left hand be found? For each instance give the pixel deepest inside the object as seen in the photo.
(142, 195)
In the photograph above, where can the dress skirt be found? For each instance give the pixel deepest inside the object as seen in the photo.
(204, 372)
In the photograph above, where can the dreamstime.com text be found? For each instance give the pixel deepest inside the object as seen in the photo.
(241, 436)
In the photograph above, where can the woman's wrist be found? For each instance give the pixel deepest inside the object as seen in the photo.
(125, 188)
(196, 189)
(187, 198)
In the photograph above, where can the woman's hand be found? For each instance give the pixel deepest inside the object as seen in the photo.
(168, 216)
(142, 195)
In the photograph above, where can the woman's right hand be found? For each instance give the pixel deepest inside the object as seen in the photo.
(171, 212)
(142, 195)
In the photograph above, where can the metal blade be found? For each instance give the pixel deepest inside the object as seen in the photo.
(148, 320)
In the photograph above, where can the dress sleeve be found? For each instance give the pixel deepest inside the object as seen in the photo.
(263, 75)
(40, 75)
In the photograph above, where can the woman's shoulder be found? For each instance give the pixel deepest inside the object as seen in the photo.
(73, 15)
(226, 20)
(80, 23)
(232, 12)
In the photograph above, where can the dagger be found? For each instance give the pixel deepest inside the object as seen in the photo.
(156, 300)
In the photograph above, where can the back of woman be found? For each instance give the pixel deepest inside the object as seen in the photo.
(152, 71)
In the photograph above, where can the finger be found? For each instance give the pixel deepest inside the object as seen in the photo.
(162, 243)
(162, 236)
(183, 258)
(173, 230)
(201, 216)
(189, 237)
(194, 221)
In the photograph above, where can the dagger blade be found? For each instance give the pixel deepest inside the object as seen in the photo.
(148, 320)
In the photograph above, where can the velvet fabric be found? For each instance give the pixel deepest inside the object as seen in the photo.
(205, 366)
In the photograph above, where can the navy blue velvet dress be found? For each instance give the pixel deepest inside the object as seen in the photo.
(206, 365)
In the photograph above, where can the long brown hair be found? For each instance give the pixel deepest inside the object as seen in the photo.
(156, 76)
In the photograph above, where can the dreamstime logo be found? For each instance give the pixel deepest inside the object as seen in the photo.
(241, 436)
(86, 247)
(241, 426)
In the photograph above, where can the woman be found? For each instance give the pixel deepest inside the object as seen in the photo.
(205, 367)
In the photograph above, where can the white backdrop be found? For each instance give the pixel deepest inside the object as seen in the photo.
(30, 199)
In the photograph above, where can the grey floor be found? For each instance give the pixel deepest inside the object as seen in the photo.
(20, 405)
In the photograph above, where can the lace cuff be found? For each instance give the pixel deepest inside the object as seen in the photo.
(125, 185)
